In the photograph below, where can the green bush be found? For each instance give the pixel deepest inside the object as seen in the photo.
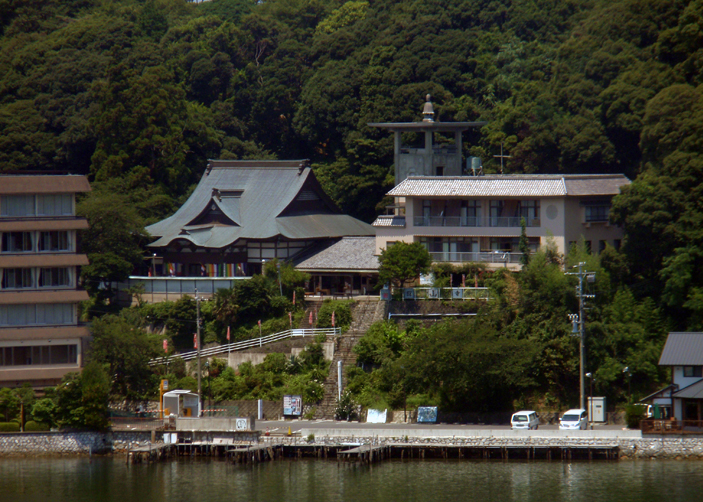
(634, 414)
(33, 426)
(9, 427)
(342, 314)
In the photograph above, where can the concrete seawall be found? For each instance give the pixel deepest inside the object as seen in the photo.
(70, 443)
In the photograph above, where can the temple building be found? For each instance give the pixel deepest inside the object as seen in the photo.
(245, 212)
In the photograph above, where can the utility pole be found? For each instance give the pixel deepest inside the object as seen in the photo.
(501, 157)
(578, 320)
(197, 322)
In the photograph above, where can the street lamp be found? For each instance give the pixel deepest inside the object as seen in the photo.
(153, 265)
(626, 371)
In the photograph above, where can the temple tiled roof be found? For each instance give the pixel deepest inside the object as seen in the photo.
(353, 254)
(255, 200)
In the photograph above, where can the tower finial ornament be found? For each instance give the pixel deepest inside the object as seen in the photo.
(428, 110)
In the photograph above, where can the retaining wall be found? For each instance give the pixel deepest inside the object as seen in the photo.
(52, 443)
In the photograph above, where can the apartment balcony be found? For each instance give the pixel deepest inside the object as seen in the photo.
(475, 222)
(497, 257)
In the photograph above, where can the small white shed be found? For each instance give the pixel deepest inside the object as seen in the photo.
(181, 403)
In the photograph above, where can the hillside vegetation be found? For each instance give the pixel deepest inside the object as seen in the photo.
(138, 94)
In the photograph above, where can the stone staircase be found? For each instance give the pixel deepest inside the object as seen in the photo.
(364, 313)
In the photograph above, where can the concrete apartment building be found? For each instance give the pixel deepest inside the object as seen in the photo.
(462, 217)
(40, 336)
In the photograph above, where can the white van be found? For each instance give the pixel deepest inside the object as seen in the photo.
(574, 419)
(524, 420)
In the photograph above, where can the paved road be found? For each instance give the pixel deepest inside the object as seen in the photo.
(296, 425)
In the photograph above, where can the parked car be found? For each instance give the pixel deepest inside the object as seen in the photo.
(574, 419)
(524, 420)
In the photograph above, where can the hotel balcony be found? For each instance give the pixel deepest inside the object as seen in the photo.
(494, 257)
(467, 221)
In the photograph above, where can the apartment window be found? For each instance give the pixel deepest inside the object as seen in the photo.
(17, 205)
(54, 241)
(54, 277)
(39, 314)
(55, 205)
(597, 213)
(529, 209)
(17, 242)
(693, 371)
(601, 246)
(38, 355)
(16, 278)
(617, 243)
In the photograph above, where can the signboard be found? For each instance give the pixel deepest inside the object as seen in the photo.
(386, 295)
(433, 293)
(457, 294)
(427, 414)
(426, 279)
(409, 293)
(376, 417)
(293, 405)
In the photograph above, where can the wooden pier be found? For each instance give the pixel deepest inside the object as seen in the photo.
(365, 454)
(151, 453)
(252, 452)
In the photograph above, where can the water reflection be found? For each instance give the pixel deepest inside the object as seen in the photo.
(110, 479)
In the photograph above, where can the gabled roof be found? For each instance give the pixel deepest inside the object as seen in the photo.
(255, 200)
(682, 349)
(693, 391)
(353, 254)
(511, 185)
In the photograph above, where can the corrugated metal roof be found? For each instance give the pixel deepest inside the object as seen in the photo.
(349, 253)
(264, 190)
(389, 221)
(541, 185)
(693, 391)
(683, 349)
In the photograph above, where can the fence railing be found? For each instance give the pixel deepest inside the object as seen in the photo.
(136, 424)
(671, 426)
(247, 344)
(473, 221)
(480, 256)
(446, 293)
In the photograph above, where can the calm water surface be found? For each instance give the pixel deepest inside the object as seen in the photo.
(110, 479)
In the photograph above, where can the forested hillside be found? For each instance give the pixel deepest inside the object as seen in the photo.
(140, 93)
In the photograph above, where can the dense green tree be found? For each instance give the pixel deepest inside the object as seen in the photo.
(125, 350)
(402, 262)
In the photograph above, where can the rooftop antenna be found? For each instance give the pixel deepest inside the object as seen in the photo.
(501, 156)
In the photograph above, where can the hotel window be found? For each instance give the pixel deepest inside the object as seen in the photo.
(55, 205)
(16, 278)
(597, 213)
(529, 209)
(693, 371)
(54, 241)
(54, 277)
(38, 355)
(17, 205)
(17, 242)
(39, 314)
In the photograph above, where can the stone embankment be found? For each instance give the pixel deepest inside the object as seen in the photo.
(70, 443)
(629, 448)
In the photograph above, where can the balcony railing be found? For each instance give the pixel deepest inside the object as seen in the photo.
(482, 257)
(654, 426)
(422, 293)
(471, 221)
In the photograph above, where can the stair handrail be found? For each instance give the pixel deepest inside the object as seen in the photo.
(247, 344)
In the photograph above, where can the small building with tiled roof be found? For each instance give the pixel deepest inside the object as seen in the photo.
(347, 265)
(478, 218)
(243, 213)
